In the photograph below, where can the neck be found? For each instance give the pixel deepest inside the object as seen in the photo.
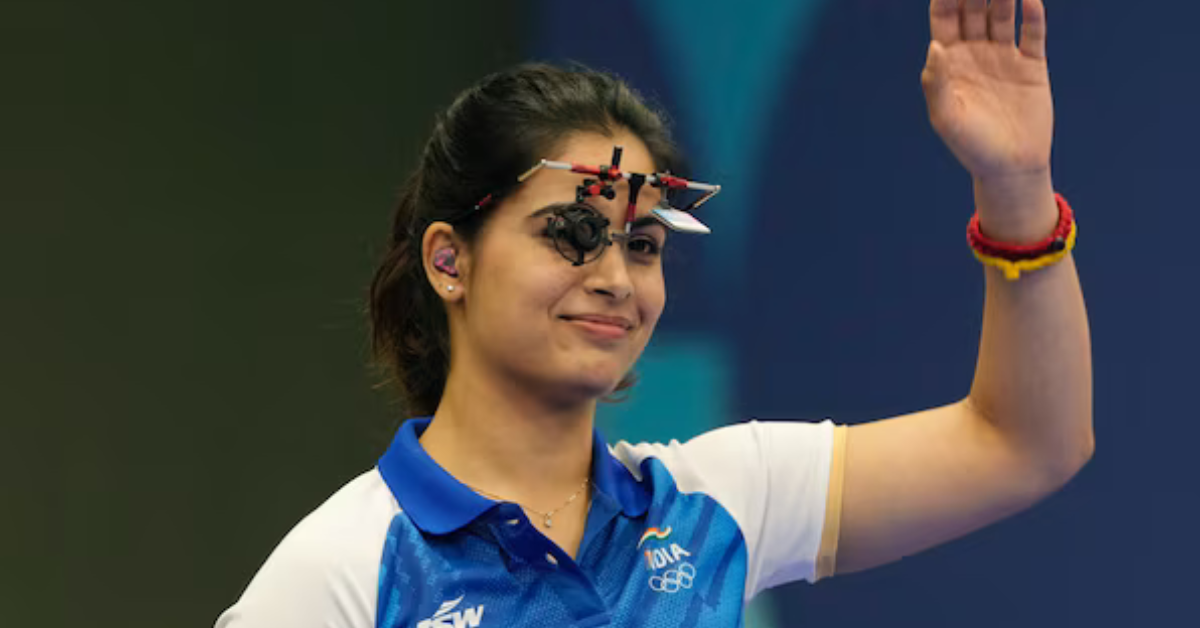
(498, 436)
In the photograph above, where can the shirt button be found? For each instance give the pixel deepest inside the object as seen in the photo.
(513, 522)
(551, 559)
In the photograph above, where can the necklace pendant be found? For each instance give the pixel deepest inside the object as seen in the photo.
(548, 522)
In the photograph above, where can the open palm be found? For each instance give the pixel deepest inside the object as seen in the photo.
(989, 98)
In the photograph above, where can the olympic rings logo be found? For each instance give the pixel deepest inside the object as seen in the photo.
(674, 580)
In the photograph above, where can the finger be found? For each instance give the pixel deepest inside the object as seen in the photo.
(1033, 29)
(974, 19)
(1002, 21)
(944, 20)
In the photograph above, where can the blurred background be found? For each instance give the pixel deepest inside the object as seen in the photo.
(193, 196)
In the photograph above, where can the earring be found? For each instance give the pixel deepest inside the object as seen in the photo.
(449, 288)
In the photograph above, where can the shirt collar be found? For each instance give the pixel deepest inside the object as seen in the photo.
(439, 504)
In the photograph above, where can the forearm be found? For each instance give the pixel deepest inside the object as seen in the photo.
(1033, 379)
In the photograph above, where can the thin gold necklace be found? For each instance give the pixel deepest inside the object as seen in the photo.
(547, 517)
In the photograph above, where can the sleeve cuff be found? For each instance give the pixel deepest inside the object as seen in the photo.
(827, 554)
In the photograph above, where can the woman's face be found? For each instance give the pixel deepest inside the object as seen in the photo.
(529, 315)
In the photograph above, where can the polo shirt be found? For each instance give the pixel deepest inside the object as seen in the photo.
(677, 534)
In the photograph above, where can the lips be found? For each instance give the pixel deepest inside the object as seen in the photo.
(599, 319)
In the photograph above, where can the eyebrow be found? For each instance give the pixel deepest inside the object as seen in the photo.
(548, 209)
(647, 221)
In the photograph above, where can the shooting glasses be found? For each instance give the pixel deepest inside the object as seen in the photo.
(580, 232)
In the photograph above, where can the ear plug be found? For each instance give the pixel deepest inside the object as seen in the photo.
(443, 260)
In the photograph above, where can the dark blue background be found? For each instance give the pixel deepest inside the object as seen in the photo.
(852, 294)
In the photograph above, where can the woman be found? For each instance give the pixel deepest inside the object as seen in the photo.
(512, 299)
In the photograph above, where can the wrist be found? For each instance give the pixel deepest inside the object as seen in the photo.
(1018, 208)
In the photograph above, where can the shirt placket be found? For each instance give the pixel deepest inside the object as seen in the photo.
(521, 540)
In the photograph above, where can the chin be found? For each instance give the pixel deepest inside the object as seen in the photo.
(599, 386)
(593, 383)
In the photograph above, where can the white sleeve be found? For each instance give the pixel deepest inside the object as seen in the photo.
(779, 482)
(325, 572)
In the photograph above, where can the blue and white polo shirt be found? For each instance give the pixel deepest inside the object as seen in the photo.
(676, 535)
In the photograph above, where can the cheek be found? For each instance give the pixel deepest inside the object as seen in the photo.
(525, 293)
(652, 298)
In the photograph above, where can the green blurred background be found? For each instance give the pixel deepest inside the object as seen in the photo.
(193, 197)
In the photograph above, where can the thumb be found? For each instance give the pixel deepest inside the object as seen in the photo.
(933, 77)
(935, 81)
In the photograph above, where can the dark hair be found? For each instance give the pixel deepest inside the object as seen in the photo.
(490, 134)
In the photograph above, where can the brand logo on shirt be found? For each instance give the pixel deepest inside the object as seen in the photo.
(669, 571)
(447, 617)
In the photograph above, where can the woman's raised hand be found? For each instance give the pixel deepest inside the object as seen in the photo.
(988, 94)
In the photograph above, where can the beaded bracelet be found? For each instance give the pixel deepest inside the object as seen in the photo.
(1014, 259)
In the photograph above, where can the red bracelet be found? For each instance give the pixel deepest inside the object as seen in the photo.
(1014, 259)
(1054, 243)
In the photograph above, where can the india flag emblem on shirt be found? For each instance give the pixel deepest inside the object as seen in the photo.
(654, 533)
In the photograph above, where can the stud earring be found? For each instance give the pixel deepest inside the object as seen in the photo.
(449, 288)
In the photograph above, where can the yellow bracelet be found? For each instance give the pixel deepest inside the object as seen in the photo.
(1013, 269)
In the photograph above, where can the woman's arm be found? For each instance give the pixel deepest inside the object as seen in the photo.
(919, 480)
(1025, 429)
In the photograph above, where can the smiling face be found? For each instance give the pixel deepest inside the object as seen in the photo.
(527, 315)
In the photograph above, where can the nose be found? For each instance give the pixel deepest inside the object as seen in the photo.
(609, 276)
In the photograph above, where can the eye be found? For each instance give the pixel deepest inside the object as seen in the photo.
(644, 245)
